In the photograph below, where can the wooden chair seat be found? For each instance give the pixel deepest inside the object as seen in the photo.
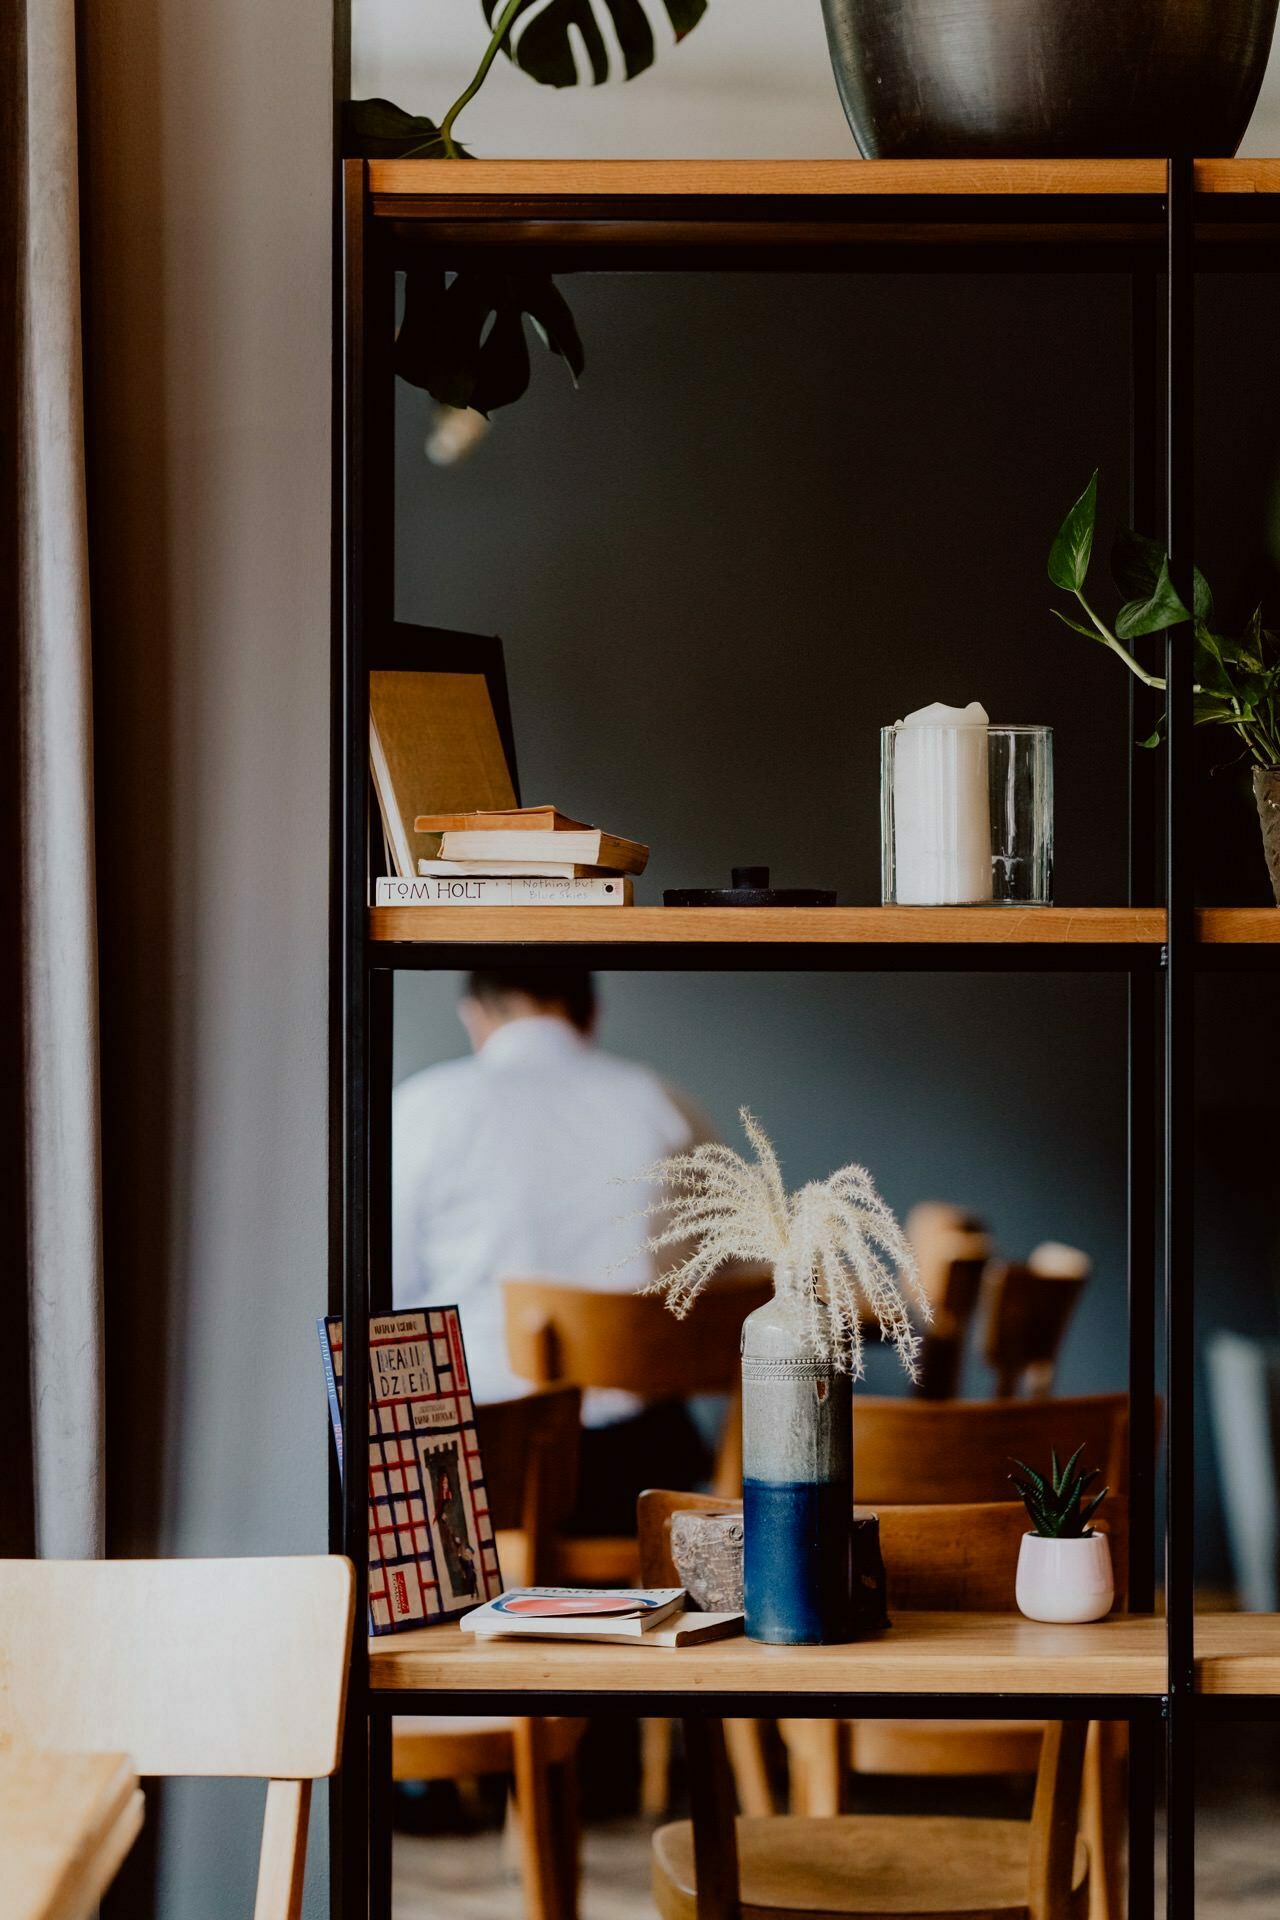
(455, 1746)
(896, 1867)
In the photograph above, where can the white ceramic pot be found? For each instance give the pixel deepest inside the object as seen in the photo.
(1065, 1579)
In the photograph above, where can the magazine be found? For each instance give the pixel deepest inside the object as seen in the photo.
(432, 1554)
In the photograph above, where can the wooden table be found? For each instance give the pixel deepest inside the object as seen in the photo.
(922, 1653)
(67, 1820)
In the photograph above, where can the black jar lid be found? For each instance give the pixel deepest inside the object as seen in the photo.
(750, 889)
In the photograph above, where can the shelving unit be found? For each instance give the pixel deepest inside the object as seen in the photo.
(1161, 222)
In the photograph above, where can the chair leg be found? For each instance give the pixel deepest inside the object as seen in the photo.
(542, 1893)
(568, 1835)
(744, 1741)
(1103, 1801)
(655, 1768)
(815, 1758)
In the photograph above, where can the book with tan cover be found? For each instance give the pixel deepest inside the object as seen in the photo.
(434, 747)
(587, 846)
(510, 819)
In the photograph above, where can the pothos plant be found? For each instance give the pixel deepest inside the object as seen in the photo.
(1237, 679)
(462, 337)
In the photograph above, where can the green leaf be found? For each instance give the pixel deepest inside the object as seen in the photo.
(544, 48)
(1073, 545)
(1161, 609)
(1136, 564)
(1093, 1506)
(1153, 739)
(464, 344)
(1032, 1476)
(380, 130)
(504, 363)
(1068, 1470)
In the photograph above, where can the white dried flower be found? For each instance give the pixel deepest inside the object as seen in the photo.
(834, 1244)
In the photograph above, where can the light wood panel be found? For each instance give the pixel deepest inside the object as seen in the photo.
(569, 179)
(955, 1653)
(840, 925)
(1238, 1653)
(67, 1820)
(209, 1667)
(868, 926)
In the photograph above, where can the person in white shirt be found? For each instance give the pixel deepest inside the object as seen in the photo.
(506, 1164)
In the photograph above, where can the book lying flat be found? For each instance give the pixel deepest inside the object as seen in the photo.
(569, 1613)
(477, 890)
(513, 870)
(588, 846)
(681, 1630)
(494, 819)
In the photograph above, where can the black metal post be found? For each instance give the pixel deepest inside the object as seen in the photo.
(1143, 1111)
(1179, 1118)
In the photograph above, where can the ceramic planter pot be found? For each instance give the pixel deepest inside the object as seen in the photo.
(1005, 78)
(1266, 791)
(797, 1483)
(1065, 1580)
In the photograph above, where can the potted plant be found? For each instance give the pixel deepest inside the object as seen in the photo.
(836, 1251)
(1237, 680)
(1064, 1566)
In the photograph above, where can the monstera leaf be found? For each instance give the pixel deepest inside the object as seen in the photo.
(540, 44)
(464, 340)
(380, 130)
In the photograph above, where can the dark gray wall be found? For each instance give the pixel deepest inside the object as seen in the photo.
(780, 513)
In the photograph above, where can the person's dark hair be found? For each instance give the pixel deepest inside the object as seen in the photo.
(571, 989)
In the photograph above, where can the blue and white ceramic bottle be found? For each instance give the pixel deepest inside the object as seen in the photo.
(797, 1480)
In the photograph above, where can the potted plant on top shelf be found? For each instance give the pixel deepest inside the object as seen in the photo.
(1237, 681)
(1064, 1566)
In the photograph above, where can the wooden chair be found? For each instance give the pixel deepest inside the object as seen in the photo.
(718, 1868)
(916, 1451)
(204, 1667)
(1027, 1309)
(529, 1450)
(957, 1262)
(629, 1341)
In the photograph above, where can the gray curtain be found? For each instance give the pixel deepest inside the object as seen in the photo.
(58, 989)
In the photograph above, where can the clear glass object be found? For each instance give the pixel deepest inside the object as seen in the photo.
(966, 816)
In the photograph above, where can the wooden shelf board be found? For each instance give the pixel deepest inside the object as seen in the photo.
(898, 926)
(1238, 1653)
(953, 1653)
(503, 180)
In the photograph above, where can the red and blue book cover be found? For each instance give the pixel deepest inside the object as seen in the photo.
(432, 1554)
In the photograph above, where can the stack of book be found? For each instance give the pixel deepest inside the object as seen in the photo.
(517, 857)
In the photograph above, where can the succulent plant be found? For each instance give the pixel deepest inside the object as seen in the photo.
(1053, 1502)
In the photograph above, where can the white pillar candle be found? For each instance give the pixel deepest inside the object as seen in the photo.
(941, 810)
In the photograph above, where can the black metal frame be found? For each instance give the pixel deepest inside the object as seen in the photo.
(1129, 233)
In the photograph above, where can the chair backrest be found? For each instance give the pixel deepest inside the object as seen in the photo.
(930, 1227)
(959, 1259)
(627, 1340)
(938, 1559)
(910, 1451)
(206, 1667)
(529, 1452)
(188, 1666)
(1027, 1308)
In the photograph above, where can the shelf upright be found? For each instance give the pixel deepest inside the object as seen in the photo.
(1179, 1045)
(1135, 216)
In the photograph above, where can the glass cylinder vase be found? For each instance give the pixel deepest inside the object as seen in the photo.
(797, 1481)
(966, 816)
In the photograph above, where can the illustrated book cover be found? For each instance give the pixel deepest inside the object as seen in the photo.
(614, 1612)
(432, 1554)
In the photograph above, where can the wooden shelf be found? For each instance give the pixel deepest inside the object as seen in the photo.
(391, 182)
(1238, 1653)
(836, 926)
(953, 1653)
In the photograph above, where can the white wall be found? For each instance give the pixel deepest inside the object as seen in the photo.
(753, 78)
